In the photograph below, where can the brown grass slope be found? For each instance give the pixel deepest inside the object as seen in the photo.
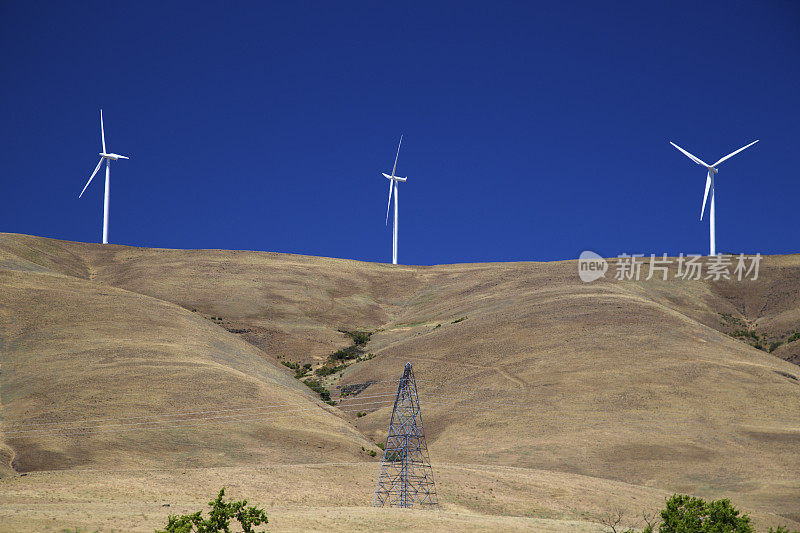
(322, 497)
(629, 382)
(76, 350)
(599, 380)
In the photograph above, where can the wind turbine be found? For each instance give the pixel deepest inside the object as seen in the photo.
(712, 170)
(393, 184)
(109, 157)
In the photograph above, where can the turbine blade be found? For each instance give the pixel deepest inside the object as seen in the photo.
(690, 156)
(397, 155)
(705, 196)
(390, 201)
(91, 177)
(102, 132)
(734, 153)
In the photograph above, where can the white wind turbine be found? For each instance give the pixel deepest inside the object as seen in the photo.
(109, 157)
(712, 170)
(393, 184)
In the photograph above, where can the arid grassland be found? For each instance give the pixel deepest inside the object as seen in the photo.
(548, 402)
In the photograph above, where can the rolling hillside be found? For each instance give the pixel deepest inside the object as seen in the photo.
(566, 399)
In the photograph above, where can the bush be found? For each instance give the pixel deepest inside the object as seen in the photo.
(317, 387)
(218, 518)
(687, 514)
(328, 370)
(360, 338)
(746, 333)
(393, 456)
(345, 354)
(360, 414)
(456, 321)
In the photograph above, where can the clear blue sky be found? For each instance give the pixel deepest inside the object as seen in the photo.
(532, 130)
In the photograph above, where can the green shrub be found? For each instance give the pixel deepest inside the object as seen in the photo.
(372, 453)
(360, 338)
(328, 370)
(345, 354)
(746, 333)
(317, 387)
(393, 456)
(360, 414)
(338, 361)
(219, 518)
(381, 446)
(687, 514)
(457, 320)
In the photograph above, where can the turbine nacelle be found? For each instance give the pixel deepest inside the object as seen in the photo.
(113, 157)
(393, 178)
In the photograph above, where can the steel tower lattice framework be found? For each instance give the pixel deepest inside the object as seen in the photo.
(406, 476)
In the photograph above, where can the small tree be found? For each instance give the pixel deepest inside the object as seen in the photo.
(687, 514)
(219, 518)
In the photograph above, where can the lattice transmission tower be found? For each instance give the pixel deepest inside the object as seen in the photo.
(406, 476)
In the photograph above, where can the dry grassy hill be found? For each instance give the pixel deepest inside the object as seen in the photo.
(565, 399)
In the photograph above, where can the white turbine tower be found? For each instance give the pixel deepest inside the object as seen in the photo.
(109, 158)
(393, 185)
(712, 170)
